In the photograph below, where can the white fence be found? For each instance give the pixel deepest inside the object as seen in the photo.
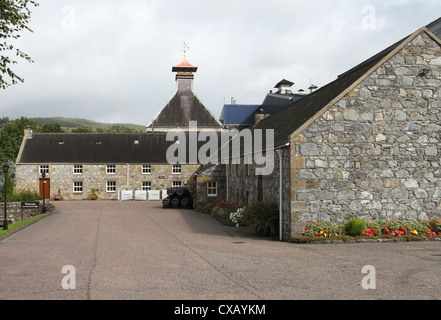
(142, 195)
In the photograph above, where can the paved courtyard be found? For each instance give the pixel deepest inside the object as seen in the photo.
(138, 250)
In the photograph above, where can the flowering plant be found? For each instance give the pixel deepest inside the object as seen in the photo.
(207, 208)
(324, 229)
(58, 196)
(93, 196)
(222, 209)
(376, 229)
(236, 217)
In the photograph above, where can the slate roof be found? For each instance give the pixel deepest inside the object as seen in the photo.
(182, 108)
(103, 148)
(280, 101)
(288, 120)
(243, 114)
(238, 114)
(435, 27)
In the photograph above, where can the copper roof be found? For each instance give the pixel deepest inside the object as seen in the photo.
(184, 66)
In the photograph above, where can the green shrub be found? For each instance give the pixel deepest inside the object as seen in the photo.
(356, 227)
(261, 215)
(24, 195)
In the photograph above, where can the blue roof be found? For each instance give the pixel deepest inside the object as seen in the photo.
(239, 114)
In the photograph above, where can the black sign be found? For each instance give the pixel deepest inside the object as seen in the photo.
(30, 204)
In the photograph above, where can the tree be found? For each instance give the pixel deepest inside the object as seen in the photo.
(51, 128)
(87, 129)
(11, 136)
(14, 17)
(3, 121)
(9, 186)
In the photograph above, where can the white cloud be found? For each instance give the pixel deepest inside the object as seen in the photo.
(112, 60)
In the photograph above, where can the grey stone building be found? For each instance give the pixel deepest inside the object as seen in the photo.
(77, 164)
(367, 144)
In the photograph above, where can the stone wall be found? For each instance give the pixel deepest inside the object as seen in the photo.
(209, 173)
(376, 153)
(16, 213)
(128, 177)
(243, 185)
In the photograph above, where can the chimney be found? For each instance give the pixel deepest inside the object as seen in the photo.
(184, 75)
(259, 115)
(28, 132)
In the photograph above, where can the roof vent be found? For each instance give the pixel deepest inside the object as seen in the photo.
(98, 142)
(60, 142)
(136, 142)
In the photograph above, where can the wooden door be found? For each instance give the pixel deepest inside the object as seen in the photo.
(47, 188)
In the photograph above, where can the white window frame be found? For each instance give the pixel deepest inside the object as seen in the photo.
(111, 186)
(147, 169)
(78, 169)
(212, 186)
(78, 187)
(111, 169)
(177, 184)
(146, 186)
(45, 168)
(177, 169)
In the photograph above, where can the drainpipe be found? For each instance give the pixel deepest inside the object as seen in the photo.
(127, 182)
(226, 176)
(280, 153)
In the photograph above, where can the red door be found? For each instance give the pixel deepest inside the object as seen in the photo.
(47, 188)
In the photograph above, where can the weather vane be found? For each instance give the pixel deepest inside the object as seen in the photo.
(186, 48)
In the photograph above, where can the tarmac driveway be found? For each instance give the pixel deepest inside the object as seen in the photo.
(138, 250)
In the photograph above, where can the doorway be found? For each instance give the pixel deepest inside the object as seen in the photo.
(47, 188)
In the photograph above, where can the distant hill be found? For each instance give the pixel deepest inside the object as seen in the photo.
(72, 123)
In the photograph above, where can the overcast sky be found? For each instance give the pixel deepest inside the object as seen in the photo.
(110, 61)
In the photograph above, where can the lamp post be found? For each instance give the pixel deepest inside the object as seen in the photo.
(43, 174)
(5, 168)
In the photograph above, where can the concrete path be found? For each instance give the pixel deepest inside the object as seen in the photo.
(137, 250)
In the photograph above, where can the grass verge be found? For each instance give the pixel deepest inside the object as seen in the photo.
(19, 225)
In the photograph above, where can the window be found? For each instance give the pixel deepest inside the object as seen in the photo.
(77, 169)
(110, 169)
(212, 188)
(78, 187)
(147, 169)
(177, 169)
(111, 186)
(44, 169)
(177, 184)
(146, 186)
